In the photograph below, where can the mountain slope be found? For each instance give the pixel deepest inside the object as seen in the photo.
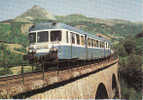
(35, 12)
(113, 27)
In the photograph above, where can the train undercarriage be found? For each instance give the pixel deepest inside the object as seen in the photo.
(51, 61)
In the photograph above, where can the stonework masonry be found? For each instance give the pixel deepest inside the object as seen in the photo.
(85, 88)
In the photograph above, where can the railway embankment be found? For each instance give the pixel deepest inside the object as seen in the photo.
(17, 86)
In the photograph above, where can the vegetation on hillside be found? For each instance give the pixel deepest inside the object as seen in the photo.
(114, 27)
(11, 33)
(7, 57)
(130, 51)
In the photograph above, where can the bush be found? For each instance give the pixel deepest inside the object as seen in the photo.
(121, 51)
(4, 71)
(130, 45)
(134, 62)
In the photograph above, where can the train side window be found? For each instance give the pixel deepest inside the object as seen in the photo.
(73, 38)
(106, 45)
(88, 42)
(78, 39)
(95, 43)
(102, 44)
(82, 40)
(92, 41)
(67, 37)
(99, 44)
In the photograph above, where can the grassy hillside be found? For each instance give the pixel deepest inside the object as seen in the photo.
(12, 33)
(12, 53)
(120, 28)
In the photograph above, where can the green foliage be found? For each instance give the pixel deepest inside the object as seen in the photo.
(139, 46)
(123, 62)
(131, 60)
(5, 70)
(23, 50)
(134, 62)
(130, 45)
(12, 33)
(9, 58)
(128, 92)
(122, 51)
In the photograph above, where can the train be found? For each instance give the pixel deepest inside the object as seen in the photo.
(54, 41)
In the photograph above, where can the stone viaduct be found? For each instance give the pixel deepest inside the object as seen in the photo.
(97, 85)
(92, 81)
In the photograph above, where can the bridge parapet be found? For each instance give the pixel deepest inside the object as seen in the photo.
(55, 78)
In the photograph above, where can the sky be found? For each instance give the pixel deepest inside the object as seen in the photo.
(117, 9)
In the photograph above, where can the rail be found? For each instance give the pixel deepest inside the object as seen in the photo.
(22, 70)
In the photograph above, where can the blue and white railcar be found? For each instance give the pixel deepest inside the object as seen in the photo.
(67, 41)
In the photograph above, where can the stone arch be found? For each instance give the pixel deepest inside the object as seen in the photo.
(115, 87)
(101, 92)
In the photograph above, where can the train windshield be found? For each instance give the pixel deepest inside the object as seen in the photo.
(32, 37)
(56, 36)
(42, 36)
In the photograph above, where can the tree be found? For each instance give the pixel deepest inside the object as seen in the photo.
(134, 63)
(121, 51)
(130, 45)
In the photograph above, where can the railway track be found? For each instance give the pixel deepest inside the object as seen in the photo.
(13, 79)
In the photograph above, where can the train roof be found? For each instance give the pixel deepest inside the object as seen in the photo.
(52, 25)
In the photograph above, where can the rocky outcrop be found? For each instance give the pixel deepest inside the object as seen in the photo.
(35, 13)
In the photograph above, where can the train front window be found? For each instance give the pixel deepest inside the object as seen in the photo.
(32, 37)
(42, 36)
(56, 36)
